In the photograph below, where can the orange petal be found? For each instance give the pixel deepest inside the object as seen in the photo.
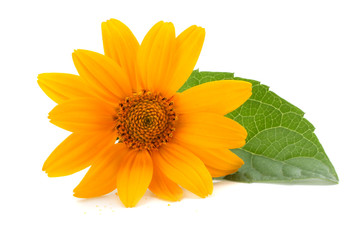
(134, 177)
(106, 79)
(76, 152)
(188, 47)
(184, 168)
(61, 87)
(209, 130)
(163, 187)
(121, 45)
(220, 173)
(155, 56)
(101, 178)
(83, 115)
(219, 97)
(219, 162)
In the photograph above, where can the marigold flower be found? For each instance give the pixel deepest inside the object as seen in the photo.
(132, 127)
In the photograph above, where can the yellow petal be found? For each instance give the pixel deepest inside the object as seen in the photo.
(219, 97)
(163, 187)
(134, 177)
(219, 161)
(104, 77)
(155, 56)
(121, 45)
(83, 115)
(76, 152)
(101, 178)
(61, 87)
(188, 47)
(209, 130)
(184, 168)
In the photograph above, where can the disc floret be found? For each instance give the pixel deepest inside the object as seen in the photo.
(145, 120)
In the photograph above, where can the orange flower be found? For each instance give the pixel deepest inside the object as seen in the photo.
(132, 127)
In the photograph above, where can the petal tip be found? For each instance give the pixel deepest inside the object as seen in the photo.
(78, 52)
(75, 194)
(41, 76)
(78, 194)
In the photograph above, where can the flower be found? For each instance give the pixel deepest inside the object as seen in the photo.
(132, 127)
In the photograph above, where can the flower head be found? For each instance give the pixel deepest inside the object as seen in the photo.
(132, 127)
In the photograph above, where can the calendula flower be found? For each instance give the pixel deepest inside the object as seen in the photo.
(132, 127)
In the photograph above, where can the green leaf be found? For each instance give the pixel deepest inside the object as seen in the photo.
(281, 145)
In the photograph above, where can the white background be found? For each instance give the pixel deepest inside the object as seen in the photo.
(309, 52)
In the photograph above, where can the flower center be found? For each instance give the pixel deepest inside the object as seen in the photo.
(145, 121)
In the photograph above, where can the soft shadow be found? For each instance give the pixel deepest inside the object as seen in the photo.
(309, 182)
(112, 200)
(220, 183)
